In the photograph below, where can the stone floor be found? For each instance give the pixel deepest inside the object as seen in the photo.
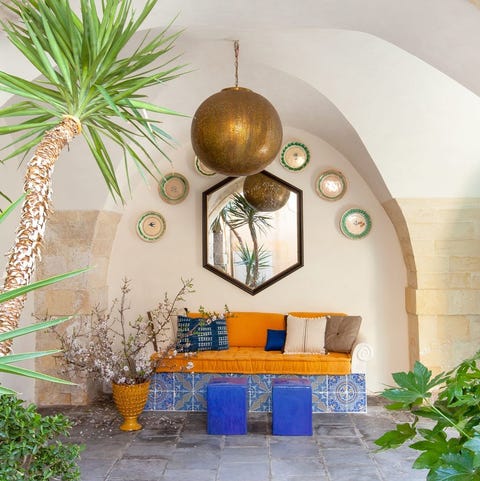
(175, 447)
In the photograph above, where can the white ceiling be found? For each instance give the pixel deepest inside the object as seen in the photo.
(442, 33)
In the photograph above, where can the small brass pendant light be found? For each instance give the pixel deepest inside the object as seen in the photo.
(236, 131)
(264, 193)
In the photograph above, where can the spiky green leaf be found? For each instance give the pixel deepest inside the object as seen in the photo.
(19, 291)
(39, 326)
(87, 73)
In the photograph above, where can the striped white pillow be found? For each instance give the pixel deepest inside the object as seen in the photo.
(305, 335)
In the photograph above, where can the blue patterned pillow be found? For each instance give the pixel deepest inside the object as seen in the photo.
(193, 335)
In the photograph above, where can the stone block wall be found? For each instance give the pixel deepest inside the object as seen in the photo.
(74, 239)
(440, 240)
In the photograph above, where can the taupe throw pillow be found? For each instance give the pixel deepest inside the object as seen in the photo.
(341, 333)
(305, 335)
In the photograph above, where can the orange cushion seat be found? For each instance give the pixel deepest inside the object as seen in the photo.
(255, 360)
(247, 337)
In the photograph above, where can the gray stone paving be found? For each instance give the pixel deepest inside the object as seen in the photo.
(175, 447)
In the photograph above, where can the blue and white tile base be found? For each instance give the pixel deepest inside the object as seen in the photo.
(186, 391)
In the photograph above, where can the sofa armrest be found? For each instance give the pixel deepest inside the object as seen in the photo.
(362, 352)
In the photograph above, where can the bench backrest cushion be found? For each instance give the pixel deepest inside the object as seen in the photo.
(249, 329)
(341, 333)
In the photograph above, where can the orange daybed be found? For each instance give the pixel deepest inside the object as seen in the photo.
(247, 336)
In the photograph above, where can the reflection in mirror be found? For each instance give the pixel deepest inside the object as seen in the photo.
(252, 230)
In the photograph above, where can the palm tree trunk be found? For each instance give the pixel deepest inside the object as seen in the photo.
(253, 233)
(35, 210)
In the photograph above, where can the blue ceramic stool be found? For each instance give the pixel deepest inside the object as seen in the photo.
(291, 407)
(227, 405)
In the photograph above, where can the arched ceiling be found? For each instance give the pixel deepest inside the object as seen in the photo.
(442, 34)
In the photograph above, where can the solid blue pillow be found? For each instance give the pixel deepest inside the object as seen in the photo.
(275, 339)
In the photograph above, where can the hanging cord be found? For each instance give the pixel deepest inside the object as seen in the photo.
(236, 48)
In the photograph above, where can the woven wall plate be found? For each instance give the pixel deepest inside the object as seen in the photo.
(151, 226)
(295, 156)
(173, 188)
(355, 223)
(331, 185)
(202, 169)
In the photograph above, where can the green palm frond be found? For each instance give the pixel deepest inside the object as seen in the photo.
(7, 361)
(247, 257)
(5, 213)
(88, 69)
(239, 213)
(20, 291)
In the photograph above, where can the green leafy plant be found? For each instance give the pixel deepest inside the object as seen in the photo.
(236, 214)
(27, 447)
(449, 443)
(94, 83)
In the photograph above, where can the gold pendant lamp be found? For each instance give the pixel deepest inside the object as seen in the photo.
(264, 193)
(236, 131)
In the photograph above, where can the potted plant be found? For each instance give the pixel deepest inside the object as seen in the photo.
(449, 444)
(124, 353)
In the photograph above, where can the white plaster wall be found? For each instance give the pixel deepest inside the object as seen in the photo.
(418, 125)
(365, 277)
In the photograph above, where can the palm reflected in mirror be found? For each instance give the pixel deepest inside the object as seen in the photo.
(249, 247)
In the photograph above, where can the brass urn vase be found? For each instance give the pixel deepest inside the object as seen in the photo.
(130, 399)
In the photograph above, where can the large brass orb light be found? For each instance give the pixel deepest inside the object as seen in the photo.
(236, 132)
(264, 193)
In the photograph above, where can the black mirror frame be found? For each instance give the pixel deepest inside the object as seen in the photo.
(280, 275)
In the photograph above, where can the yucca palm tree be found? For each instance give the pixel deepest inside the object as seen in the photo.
(236, 214)
(88, 84)
(251, 260)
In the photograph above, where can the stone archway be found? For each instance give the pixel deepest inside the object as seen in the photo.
(440, 240)
(74, 239)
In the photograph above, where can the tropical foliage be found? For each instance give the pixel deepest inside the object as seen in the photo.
(449, 442)
(29, 448)
(91, 81)
(236, 214)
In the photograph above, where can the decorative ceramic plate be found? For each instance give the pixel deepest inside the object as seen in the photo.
(331, 185)
(202, 169)
(355, 223)
(295, 156)
(173, 188)
(151, 226)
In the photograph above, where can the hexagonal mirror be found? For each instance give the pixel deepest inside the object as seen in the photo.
(252, 230)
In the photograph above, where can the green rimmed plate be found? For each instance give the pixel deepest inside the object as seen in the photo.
(151, 226)
(295, 156)
(202, 169)
(355, 223)
(331, 185)
(173, 188)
